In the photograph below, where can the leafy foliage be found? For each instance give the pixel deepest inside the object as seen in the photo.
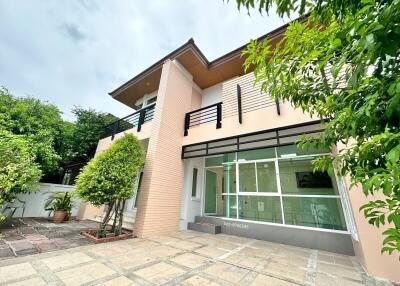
(37, 120)
(89, 128)
(56, 142)
(18, 171)
(108, 178)
(59, 201)
(343, 64)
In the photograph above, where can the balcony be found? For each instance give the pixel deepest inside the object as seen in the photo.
(136, 119)
(204, 115)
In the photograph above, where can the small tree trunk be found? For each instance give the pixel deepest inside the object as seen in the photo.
(121, 218)
(106, 219)
(117, 206)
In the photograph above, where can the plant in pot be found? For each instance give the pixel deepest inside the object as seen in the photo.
(60, 204)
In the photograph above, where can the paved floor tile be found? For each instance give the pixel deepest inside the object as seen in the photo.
(327, 280)
(186, 245)
(263, 280)
(160, 273)
(66, 260)
(254, 263)
(165, 239)
(23, 247)
(109, 250)
(30, 282)
(185, 234)
(205, 240)
(119, 281)
(84, 274)
(255, 252)
(6, 253)
(190, 260)
(180, 259)
(198, 281)
(338, 270)
(210, 251)
(128, 261)
(292, 272)
(164, 251)
(16, 271)
(234, 239)
(32, 235)
(227, 272)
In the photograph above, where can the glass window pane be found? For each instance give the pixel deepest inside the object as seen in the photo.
(230, 206)
(260, 208)
(229, 178)
(218, 160)
(229, 157)
(151, 100)
(214, 161)
(314, 212)
(297, 177)
(247, 177)
(293, 150)
(257, 154)
(210, 195)
(266, 176)
(194, 183)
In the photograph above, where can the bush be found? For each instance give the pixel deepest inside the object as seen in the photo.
(18, 171)
(108, 179)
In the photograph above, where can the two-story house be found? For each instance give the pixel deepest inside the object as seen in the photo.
(221, 155)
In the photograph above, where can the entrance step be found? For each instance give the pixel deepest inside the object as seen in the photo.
(205, 227)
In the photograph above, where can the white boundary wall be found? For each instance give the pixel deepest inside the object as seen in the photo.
(34, 206)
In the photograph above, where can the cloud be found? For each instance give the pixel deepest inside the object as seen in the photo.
(74, 52)
(72, 31)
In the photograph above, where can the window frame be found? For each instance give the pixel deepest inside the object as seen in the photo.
(236, 162)
(195, 181)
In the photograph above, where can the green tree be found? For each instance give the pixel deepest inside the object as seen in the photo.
(342, 63)
(40, 121)
(89, 129)
(57, 142)
(19, 173)
(109, 177)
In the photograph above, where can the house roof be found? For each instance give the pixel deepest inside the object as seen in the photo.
(204, 72)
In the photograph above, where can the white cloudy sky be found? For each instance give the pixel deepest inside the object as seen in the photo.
(75, 52)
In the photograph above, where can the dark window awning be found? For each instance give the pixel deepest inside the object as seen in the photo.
(287, 135)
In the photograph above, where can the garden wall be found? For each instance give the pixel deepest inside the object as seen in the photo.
(34, 206)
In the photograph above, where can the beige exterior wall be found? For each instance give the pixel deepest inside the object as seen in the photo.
(88, 211)
(368, 246)
(261, 119)
(161, 190)
(143, 134)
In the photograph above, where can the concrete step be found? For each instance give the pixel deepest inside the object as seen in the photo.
(203, 219)
(205, 227)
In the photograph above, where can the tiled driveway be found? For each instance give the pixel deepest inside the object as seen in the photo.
(37, 235)
(185, 258)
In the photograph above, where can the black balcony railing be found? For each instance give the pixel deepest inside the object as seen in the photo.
(136, 119)
(203, 115)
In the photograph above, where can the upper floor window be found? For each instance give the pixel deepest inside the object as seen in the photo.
(151, 100)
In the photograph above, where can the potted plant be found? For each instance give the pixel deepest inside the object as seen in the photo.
(60, 204)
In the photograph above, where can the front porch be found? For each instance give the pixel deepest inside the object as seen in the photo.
(186, 258)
